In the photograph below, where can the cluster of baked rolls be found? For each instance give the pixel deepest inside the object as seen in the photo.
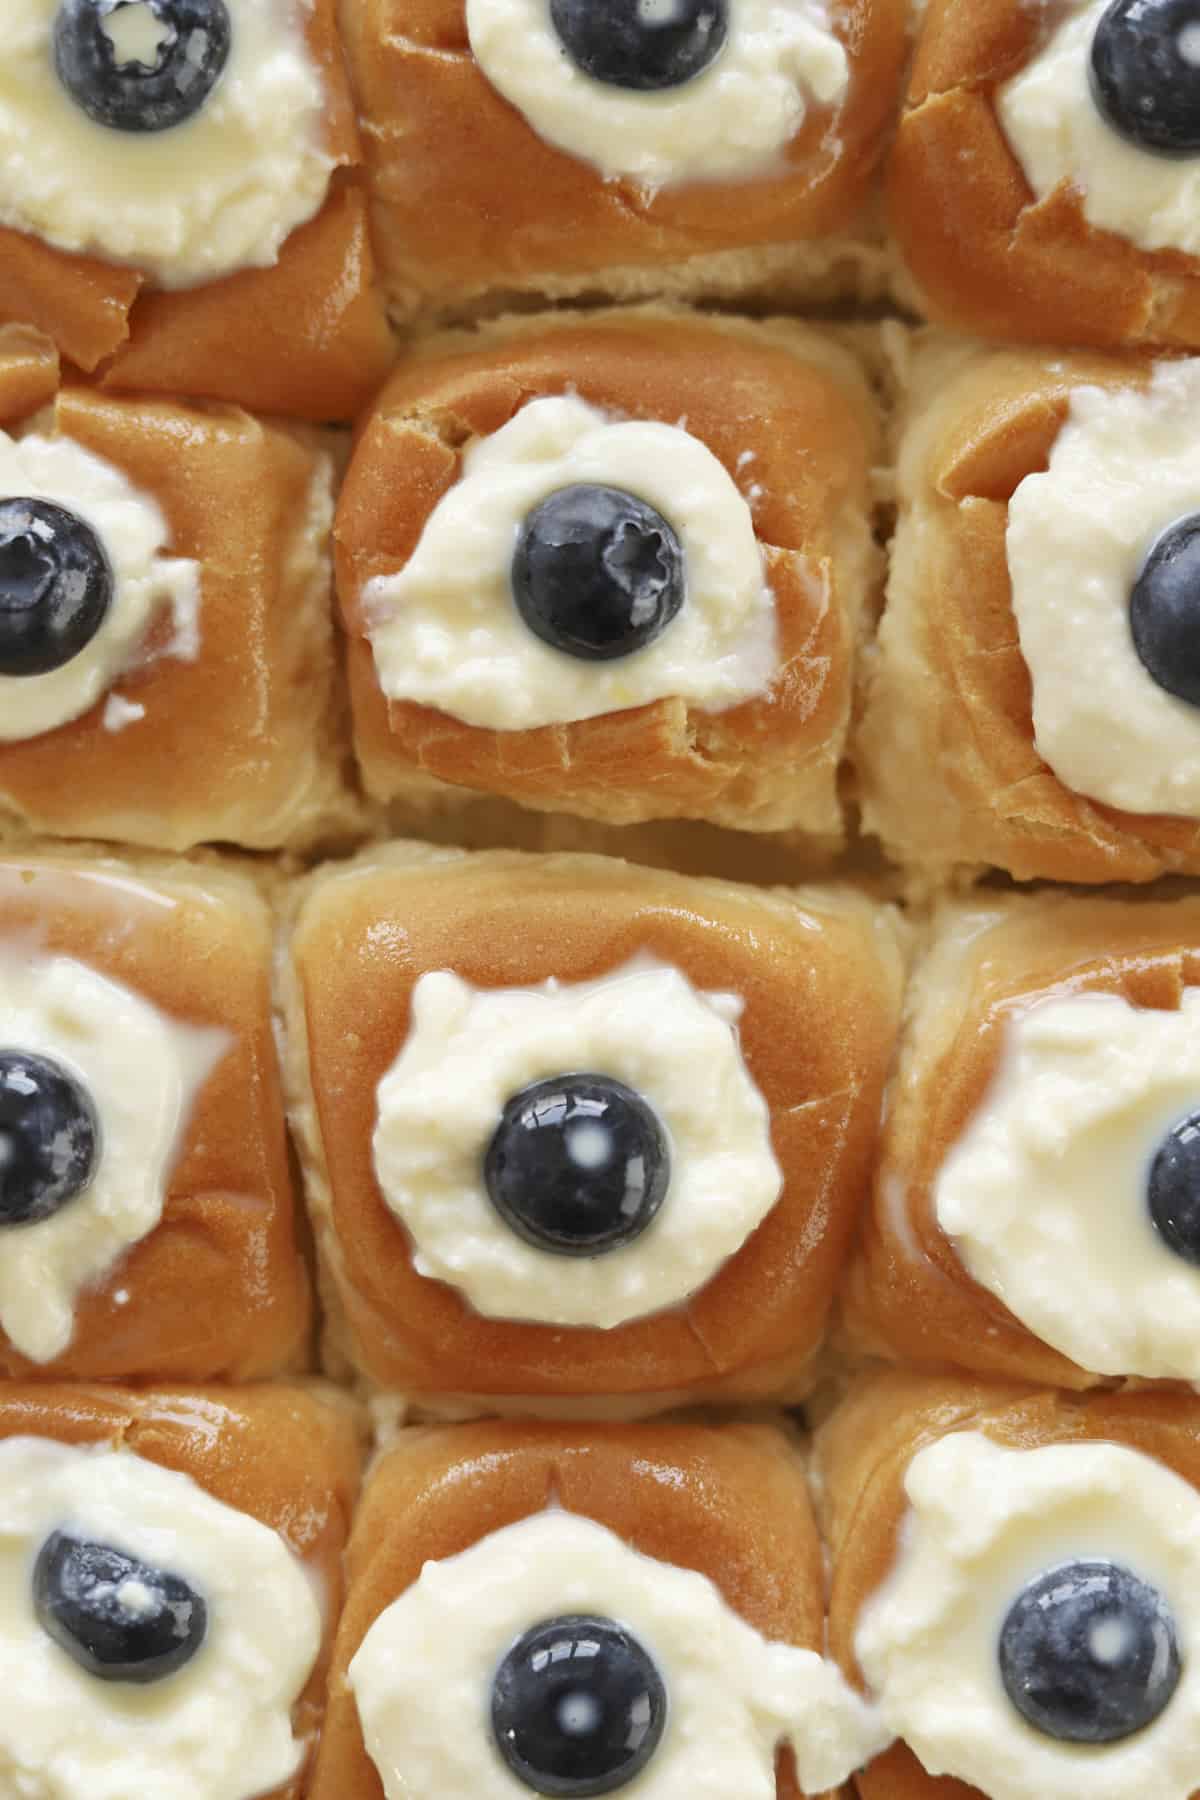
(577, 1214)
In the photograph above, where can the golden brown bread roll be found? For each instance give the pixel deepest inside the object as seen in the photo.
(222, 723)
(288, 1456)
(950, 773)
(305, 336)
(863, 1453)
(989, 255)
(445, 149)
(909, 1292)
(730, 1503)
(787, 414)
(818, 972)
(217, 1288)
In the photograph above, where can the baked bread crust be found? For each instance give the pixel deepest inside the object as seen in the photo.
(863, 1452)
(306, 337)
(731, 1504)
(794, 399)
(819, 972)
(288, 1456)
(243, 744)
(986, 255)
(906, 1294)
(442, 143)
(194, 940)
(948, 769)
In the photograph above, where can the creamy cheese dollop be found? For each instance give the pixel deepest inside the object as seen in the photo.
(142, 1071)
(423, 1673)
(1124, 467)
(1059, 136)
(146, 581)
(984, 1521)
(469, 1050)
(217, 193)
(1045, 1192)
(730, 122)
(218, 1729)
(445, 629)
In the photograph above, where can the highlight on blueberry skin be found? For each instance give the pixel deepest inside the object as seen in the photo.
(579, 1165)
(1145, 74)
(597, 573)
(644, 45)
(56, 586)
(1164, 608)
(578, 1707)
(49, 1138)
(104, 72)
(114, 1616)
(1173, 1189)
(1088, 1653)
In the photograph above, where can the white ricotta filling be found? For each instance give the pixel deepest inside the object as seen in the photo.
(1059, 136)
(983, 1522)
(1044, 1194)
(134, 533)
(470, 1050)
(730, 122)
(1124, 467)
(422, 1676)
(218, 1729)
(142, 1071)
(217, 193)
(445, 629)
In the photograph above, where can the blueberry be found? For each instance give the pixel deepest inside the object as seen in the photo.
(578, 1707)
(190, 55)
(578, 1165)
(49, 1138)
(1088, 1653)
(114, 1616)
(56, 586)
(641, 44)
(1164, 610)
(1145, 73)
(1173, 1189)
(597, 573)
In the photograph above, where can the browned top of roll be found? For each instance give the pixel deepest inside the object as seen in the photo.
(288, 1456)
(820, 979)
(988, 255)
(731, 1504)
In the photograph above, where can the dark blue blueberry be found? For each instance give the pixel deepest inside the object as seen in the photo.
(112, 1634)
(1164, 610)
(578, 1165)
(56, 586)
(578, 1707)
(193, 49)
(49, 1138)
(641, 44)
(597, 573)
(1088, 1653)
(1145, 71)
(1173, 1189)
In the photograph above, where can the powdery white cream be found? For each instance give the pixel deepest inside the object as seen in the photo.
(1044, 1194)
(1124, 467)
(217, 193)
(422, 1676)
(1059, 136)
(731, 121)
(445, 629)
(984, 1521)
(219, 1729)
(469, 1050)
(133, 531)
(143, 1071)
